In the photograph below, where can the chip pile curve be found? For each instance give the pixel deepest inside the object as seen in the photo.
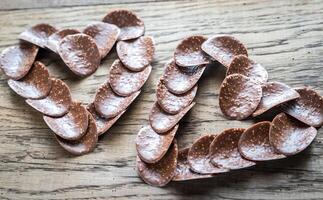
(244, 93)
(77, 126)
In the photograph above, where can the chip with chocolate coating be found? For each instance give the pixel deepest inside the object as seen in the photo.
(173, 103)
(199, 157)
(274, 94)
(161, 121)
(80, 53)
(131, 26)
(104, 34)
(125, 82)
(16, 61)
(254, 143)
(224, 48)
(54, 39)
(83, 145)
(239, 96)
(179, 82)
(290, 136)
(71, 126)
(161, 172)
(189, 53)
(38, 34)
(108, 104)
(308, 108)
(57, 103)
(241, 64)
(151, 146)
(136, 54)
(36, 84)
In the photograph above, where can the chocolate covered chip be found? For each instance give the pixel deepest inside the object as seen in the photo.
(179, 82)
(131, 26)
(38, 34)
(224, 150)
(80, 53)
(125, 82)
(254, 143)
(54, 39)
(57, 103)
(224, 48)
(308, 108)
(199, 157)
(36, 84)
(173, 103)
(290, 136)
(102, 124)
(241, 64)
(189, 53)
(108, 104)
(183, 171)
(274, 94)
(71, 126)
(16, 61)
(239, 96)
(161, 121)
(85, 144)
(136, 54)
(151, 146)
(104, 34)
(161, 172)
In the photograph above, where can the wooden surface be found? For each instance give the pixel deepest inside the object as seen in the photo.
(285, 36)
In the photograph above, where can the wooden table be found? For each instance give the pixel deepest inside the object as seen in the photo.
(285, 36)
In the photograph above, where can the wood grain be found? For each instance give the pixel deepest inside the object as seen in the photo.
(285, 36)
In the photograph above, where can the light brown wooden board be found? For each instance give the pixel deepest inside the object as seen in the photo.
(285, 36)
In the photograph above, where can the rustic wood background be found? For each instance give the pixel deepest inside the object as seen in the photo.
(285, 36)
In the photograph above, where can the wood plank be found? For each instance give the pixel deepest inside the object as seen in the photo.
(285, 36)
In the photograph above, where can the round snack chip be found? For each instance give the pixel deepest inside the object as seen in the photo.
(189, 53)
(162, 122)
(16, 61)
(308, 108)
(274, 94)
(151, 146)
(224, 48)
(290, 136)
(36, 84)
(125, 82)
(108, 104)
(102, 124)
(71, 126)
(173, 103)
(179, 82)
(54, 39)
(57, 103)
(85, 144)
(224, 150)
(239, 96)
(38, 34)
(136, 54)
(131, 26)
(104, 34)
(161, 172)
(254, 143)
(80, 54)
(199, 157)
(183, 171)
(241, 64)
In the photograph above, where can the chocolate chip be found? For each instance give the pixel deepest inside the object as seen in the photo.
(71, 126)
(125, 82)
(38, 34)
(57, 103)
(290, 136)
(54, 39)
(131, 26)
